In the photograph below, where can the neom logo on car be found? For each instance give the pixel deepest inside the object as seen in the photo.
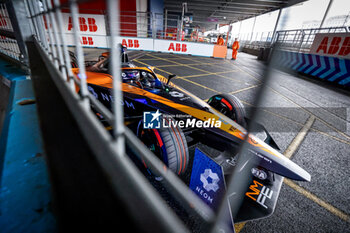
(154, 120)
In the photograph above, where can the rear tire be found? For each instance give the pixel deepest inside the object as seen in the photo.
(168, 144)
(230, 106)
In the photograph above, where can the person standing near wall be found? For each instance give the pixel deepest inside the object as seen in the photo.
(235, 47)
(220, 41)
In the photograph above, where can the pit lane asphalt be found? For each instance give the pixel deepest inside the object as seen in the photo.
(288, 103)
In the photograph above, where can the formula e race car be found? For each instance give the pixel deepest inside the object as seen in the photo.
(197, 140)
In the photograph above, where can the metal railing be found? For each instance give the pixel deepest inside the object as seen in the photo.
(110, 150)
(256, 40)
(8, 42)
(299, 40)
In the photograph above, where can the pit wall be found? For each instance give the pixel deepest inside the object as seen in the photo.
(25, 197)
(332, 69)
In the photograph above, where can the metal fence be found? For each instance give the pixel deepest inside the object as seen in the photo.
(299, 40)
(256, 40)
(8, 43)
(112, 158)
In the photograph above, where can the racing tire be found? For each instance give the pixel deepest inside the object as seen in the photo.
(168, 144)
(230, 106)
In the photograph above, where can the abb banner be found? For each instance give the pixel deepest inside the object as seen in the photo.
(135, 43)
(92, 30)
(88, 24)
(88, 40)
(332, 45)
(169, 46)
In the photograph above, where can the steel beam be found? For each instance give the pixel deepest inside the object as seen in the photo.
(326, 13)
(195, 4)
(240, 3)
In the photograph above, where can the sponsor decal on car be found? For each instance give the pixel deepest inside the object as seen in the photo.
(207, 179)
(259, 193)
(107, 97)
(208, 183)
(154, 120)
(210, 180)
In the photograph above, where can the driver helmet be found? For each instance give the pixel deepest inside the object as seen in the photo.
(130, 75)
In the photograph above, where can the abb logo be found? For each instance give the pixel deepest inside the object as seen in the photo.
(88, 24)
(87, 40)
(177, 47)
(131, 43)
(339, 46)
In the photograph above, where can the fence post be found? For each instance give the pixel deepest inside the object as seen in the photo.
(22, 31)
(154, 31)
(301, 40)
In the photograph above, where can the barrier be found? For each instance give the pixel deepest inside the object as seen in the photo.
(150, 44)
(219, 51)
(332, 45)
(190, 48)
(93, 34)
(332, 69)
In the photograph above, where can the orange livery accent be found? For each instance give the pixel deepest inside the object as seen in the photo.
(254, 188)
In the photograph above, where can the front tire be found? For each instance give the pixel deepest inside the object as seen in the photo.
(168, 144)
(230, 106)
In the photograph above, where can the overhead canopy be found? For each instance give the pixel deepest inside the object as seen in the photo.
(208, 13)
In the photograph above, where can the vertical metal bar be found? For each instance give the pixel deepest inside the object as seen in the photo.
(166, 23)
(57, 39)
(35, 26)
(182, 22)
(301, 40)
(346, 19)
(79, 51)
(40, 24)
(154, 31)
(31, 24)
(50, 32)
(276, 24)
(253, 29)
(113, 15)
(326, 13)
(65, 48)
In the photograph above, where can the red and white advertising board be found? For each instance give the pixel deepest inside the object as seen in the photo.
(92, 28)
(332, 45)
(88, 40)
(89, 24)
(135, 43)
(170, 46)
